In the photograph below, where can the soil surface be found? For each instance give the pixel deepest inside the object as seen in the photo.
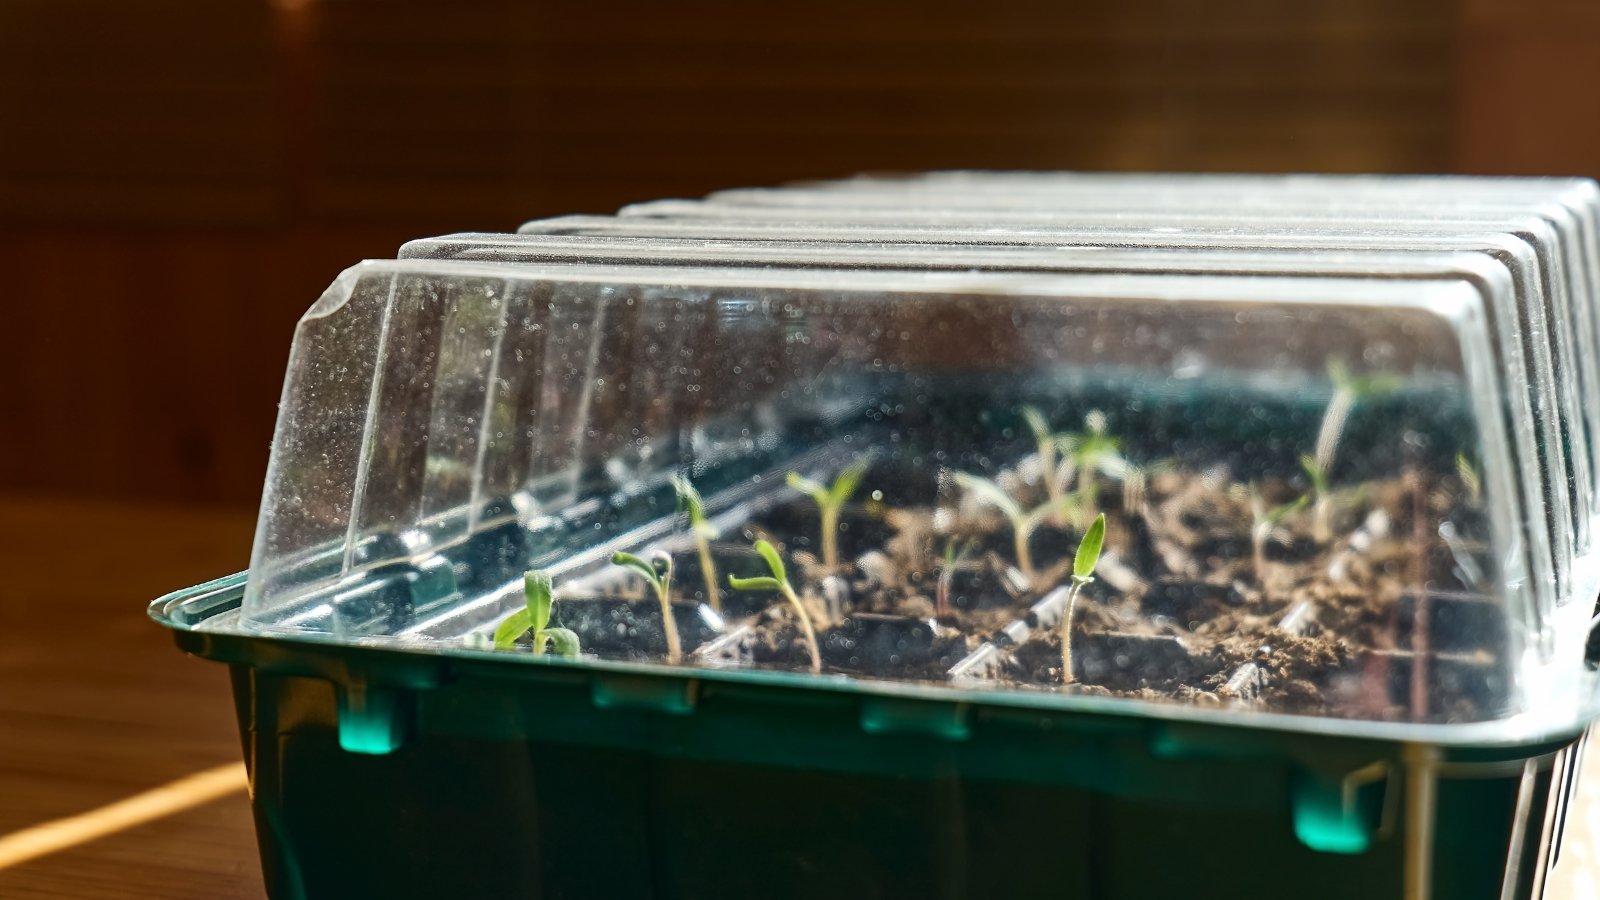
(1195, 600)
(1208, 591)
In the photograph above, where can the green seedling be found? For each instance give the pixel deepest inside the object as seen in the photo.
(1092, 452)
(1264, 522)
(1046, 441)
(780, 582)
(535, 617)
(953, 556)
(658, 572)
(704, 533)
(1321, 500)
(1023, 522)
(1348, 390)
(1082, 573)
(1469, 478)
(830, 500)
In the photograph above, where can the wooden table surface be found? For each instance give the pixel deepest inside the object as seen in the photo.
(96, 706)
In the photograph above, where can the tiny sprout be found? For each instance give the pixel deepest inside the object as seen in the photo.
(535, 617)
(830, 500)
(1265, 522)
(1082, 573)
(780, 582)
(1321, 500)
(1023, 523)
(953, 556)
(1092, 452)
(657, 571)
(1348, 390)
(1469, 478)
(704, 533)
(1046, 441)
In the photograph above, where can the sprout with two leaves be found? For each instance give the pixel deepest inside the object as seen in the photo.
(1082, 573)
(1023, 522)
(830, 500)
(1082, 456)
(658, 572)
(535, 617)
(1348, 390)
(1046, 441)
(704, 533)
(779, 581)
(1093, 452)
(1264, 522)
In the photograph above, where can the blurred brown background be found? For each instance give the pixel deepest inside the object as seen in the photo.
(179, 180)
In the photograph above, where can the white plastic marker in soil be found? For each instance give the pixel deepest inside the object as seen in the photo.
(174, 797)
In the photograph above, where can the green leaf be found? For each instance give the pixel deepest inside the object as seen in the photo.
(759, 583)
(774, 561)
(692, 502)
(1089, 549)
(1095, 421)
(536, 588)
(1360, 385)
(1278, 514)
(505, 636)
(806, 486)
(993, 493)
(1319, 478)
(848, 480)
(1469, 476)
(563, 641)
(1338, 373)
(646, 570)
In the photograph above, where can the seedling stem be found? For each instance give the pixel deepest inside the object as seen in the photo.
(657, 571)
(1264, 523)
(947, 571)
(780, 582)
(1082, 573)
(1046, 441)
(1348, 390)
(1089, 453)
(1321, 500)
(1023, 523)
(831, 499)
(704, 533)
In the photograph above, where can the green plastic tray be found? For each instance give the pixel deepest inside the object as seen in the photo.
(379, 772)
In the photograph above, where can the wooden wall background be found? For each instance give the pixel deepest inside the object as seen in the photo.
(179, 180)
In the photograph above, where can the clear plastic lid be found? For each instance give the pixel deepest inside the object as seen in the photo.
(1569, 206)
(1309, 499)
(1558, 514)
(1564, 456)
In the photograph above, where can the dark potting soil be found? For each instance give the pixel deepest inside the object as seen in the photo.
(1299, 674)
(1321, 616)
(866, 644)
(1319, 624)
(629, 629)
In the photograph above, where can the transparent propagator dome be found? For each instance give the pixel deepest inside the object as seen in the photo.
(1561, 457)
(1311, 496)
